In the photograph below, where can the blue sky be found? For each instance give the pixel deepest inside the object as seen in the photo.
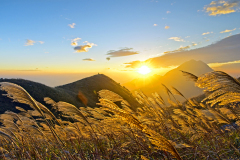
(106, 25)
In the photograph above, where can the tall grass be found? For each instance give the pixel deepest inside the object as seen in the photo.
(156, 130)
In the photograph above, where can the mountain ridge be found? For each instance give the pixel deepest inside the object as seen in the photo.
(68, 93)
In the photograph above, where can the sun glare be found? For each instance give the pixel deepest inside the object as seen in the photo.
(144, 70)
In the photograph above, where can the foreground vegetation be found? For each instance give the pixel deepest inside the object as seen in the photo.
(190, 130)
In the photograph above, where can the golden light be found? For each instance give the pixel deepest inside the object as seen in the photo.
(144, 70)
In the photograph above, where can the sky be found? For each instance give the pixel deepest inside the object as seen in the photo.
(60, 41)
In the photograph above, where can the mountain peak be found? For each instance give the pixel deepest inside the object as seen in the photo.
(196, 67)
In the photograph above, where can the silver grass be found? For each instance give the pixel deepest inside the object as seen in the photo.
(106, 94)
(190, 76)
(70, 109)
(19, 94)
(225, 89)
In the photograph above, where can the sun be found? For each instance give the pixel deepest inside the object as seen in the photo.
(144, 70)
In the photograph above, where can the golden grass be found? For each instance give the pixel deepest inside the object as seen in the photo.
(190, 130)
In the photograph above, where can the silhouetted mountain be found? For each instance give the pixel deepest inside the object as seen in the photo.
(91, 85)
(176, 79)
(37, 90)
(67, 93)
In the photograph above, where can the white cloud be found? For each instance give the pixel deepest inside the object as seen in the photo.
(228, 30)
(84, 48)
(72, 25)
(206, 33)
(167, 27)
(74, 41)
(155, 25)
(41, 42)
(29, 42)
(168, 12)
(222, 7)
(178, 39)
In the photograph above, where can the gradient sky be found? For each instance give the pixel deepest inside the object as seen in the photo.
(37, 36)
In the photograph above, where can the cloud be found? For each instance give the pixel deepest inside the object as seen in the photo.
(167, 27)
(177, 50)
(41, 42)
(223, 64)
(84, 48)
(178, 39)
(228, 30)
(72, 25)
(29, 70)
(29, 42)
(223, 51)
(121, 52)
(168, 12)
(155, 25)
(88, 59)
(222, 7)
(74, 41)
(134, 64)
(206, 33)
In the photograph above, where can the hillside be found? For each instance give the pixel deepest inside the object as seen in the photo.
(68, 93)
(176, 79)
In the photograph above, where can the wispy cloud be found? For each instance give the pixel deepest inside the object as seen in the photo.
(222, 64)
(178, 39)
(29, 42)
(84, 48)
(178, 50)
(72, 25)
(134, 64)
(206, 33)
(167, 27)
(88, 59)
(224, 51)
(29, 70)
(121, 52)
(227, 30)
(155, 25)
(222, 7)
(74, 41)
(168, 12)
(41, 42)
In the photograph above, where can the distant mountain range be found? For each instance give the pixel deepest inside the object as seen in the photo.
(173, 78)
(91, 85)
(68, 93)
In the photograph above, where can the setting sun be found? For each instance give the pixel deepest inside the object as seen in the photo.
(144, 70)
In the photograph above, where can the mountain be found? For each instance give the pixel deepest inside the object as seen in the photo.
(91, 85)
(176, 79)
(67, 93)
